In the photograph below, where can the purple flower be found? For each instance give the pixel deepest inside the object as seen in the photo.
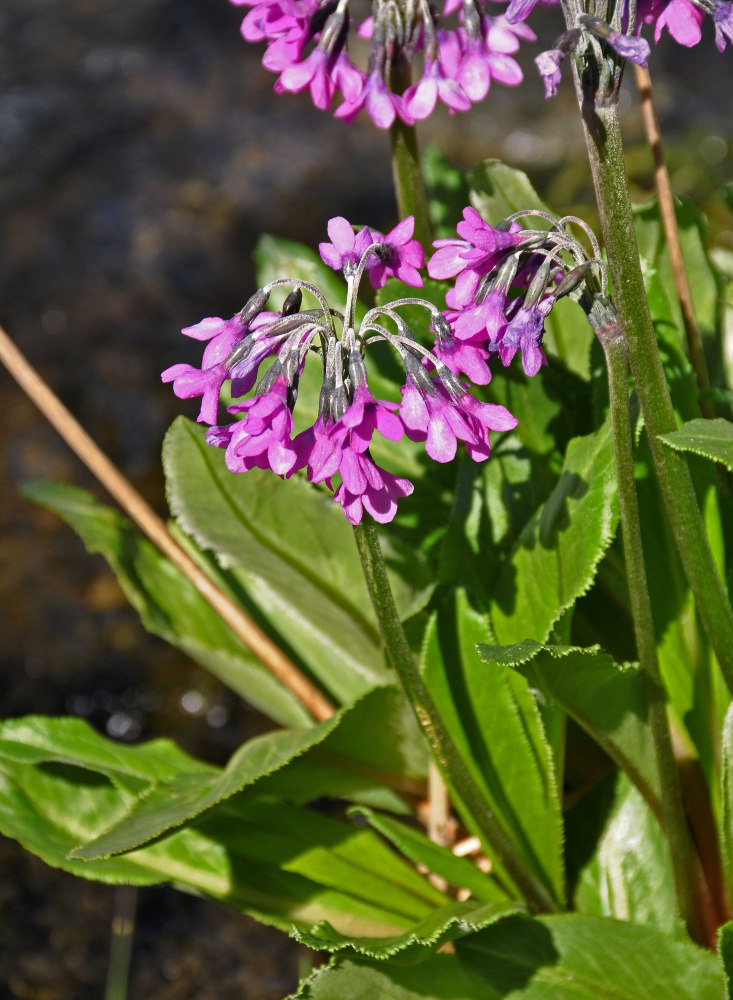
(681, 18)
(313, 72)
(223, 335)
(399, 256)
(440, 420)
(262, 438)
(346, 247)
(307, 45)
(421, 97)
(524, 332)
(548, 66)
(467, 356)
(380, 103)
(364, 486)
(342, 448)
(723, 21)
(481, 249)
(189, 382)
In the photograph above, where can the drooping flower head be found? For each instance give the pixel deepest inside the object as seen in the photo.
(507, 280)
(454, 63)
(336, 449)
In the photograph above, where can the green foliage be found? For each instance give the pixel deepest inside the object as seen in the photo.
(167, 603)
(712, 439)
(608, 701)
(546, 958)
(498, 729)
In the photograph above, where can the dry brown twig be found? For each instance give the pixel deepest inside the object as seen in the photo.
(154, 528)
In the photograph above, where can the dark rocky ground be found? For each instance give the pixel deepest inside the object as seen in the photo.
(141, 154)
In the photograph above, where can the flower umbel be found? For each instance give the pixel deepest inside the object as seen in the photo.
(307, 44)
(336, 449)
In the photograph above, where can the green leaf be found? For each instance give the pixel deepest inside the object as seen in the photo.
(449, 923)
(629, 873)
(693, 236)
(712, 439)
(725, 951)
(496, 725)
(447, 191)
(568, 957)
(168, 605)
(607, 700)
(459, 872)
(556, 556)
(290, 550)
(282, 863)
(273, 763)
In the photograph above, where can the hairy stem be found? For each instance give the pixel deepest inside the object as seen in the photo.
(444, 749)
(672, 235)
(605, 153)
(693, 900)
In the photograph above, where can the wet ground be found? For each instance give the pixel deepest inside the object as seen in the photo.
(141, 154)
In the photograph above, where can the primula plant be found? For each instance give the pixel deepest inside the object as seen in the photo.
(456, 516)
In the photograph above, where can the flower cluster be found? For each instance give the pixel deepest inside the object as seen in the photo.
(507, 279)
(682, 18)
(307, 46)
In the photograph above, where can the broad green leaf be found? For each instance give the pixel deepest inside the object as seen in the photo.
(290, 550)
(38, 739)
(725, 952)
(450, 922)
(556, 556)
(168, 605)
(275, 762)
(607, 700)
(285, 865)
(629, 873)
(460, 872)
(693, 236)
(498, 191)
(496, 725)
(447, 191)
(711, 438)
(568, 957)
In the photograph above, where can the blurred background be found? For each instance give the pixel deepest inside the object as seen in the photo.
(142, 153)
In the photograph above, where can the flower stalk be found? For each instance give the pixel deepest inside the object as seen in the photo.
(441, 743)
(599, 112)
(693, 898)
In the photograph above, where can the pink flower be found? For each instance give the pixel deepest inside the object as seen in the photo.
(399, 256)
(189, 382)
(420, 99)
(313, 72)
(346, 246)
(262, 438)
(440, 420)
(342, 448)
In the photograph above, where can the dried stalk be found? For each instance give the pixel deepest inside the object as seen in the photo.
(151, 525)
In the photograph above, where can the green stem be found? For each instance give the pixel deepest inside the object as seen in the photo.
(409, 184)
(599, 112)
(444, 749)
(689, 883)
